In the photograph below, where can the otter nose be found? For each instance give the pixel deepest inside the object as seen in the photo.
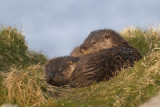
(49, 76)
(83, 47)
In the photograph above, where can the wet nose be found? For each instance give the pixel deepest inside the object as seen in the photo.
(83, 47)
(49, 76)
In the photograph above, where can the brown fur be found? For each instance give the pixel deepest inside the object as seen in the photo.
(99, 40)
(102, 65)
(59, 70)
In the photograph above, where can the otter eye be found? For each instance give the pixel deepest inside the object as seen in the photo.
(93, 42)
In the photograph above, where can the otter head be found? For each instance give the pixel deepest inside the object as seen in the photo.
(59, 70)
(101, 39)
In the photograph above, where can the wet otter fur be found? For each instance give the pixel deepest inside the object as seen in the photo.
(102, 66)
(58, 70)
(99, 40)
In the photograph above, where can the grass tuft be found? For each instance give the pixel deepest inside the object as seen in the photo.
(26, 87)
(143, 40)
(14, 50)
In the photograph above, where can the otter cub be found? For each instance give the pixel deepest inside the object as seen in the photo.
(102, 65)
(58, 70)
(99, 40)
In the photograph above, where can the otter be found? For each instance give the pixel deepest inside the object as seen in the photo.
(102, 66)
(76, 52)
(99, 40)
(58, 70)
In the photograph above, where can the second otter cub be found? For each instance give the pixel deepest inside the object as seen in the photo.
(99, 40)
(58, 70)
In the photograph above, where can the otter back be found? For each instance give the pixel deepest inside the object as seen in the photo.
(102, 65)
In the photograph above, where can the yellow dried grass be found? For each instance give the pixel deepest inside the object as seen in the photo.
(25, 86)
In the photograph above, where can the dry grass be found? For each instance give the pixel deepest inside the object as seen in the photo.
(26, 87)
(145, 40)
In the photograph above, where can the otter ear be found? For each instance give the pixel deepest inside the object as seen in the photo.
(69, 62)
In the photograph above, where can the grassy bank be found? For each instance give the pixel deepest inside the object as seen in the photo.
(15, 55)
(14, 50)
(26, 86)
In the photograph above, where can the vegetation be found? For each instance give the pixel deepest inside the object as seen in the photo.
(25, 85)
(14, 50)
(143, 40)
